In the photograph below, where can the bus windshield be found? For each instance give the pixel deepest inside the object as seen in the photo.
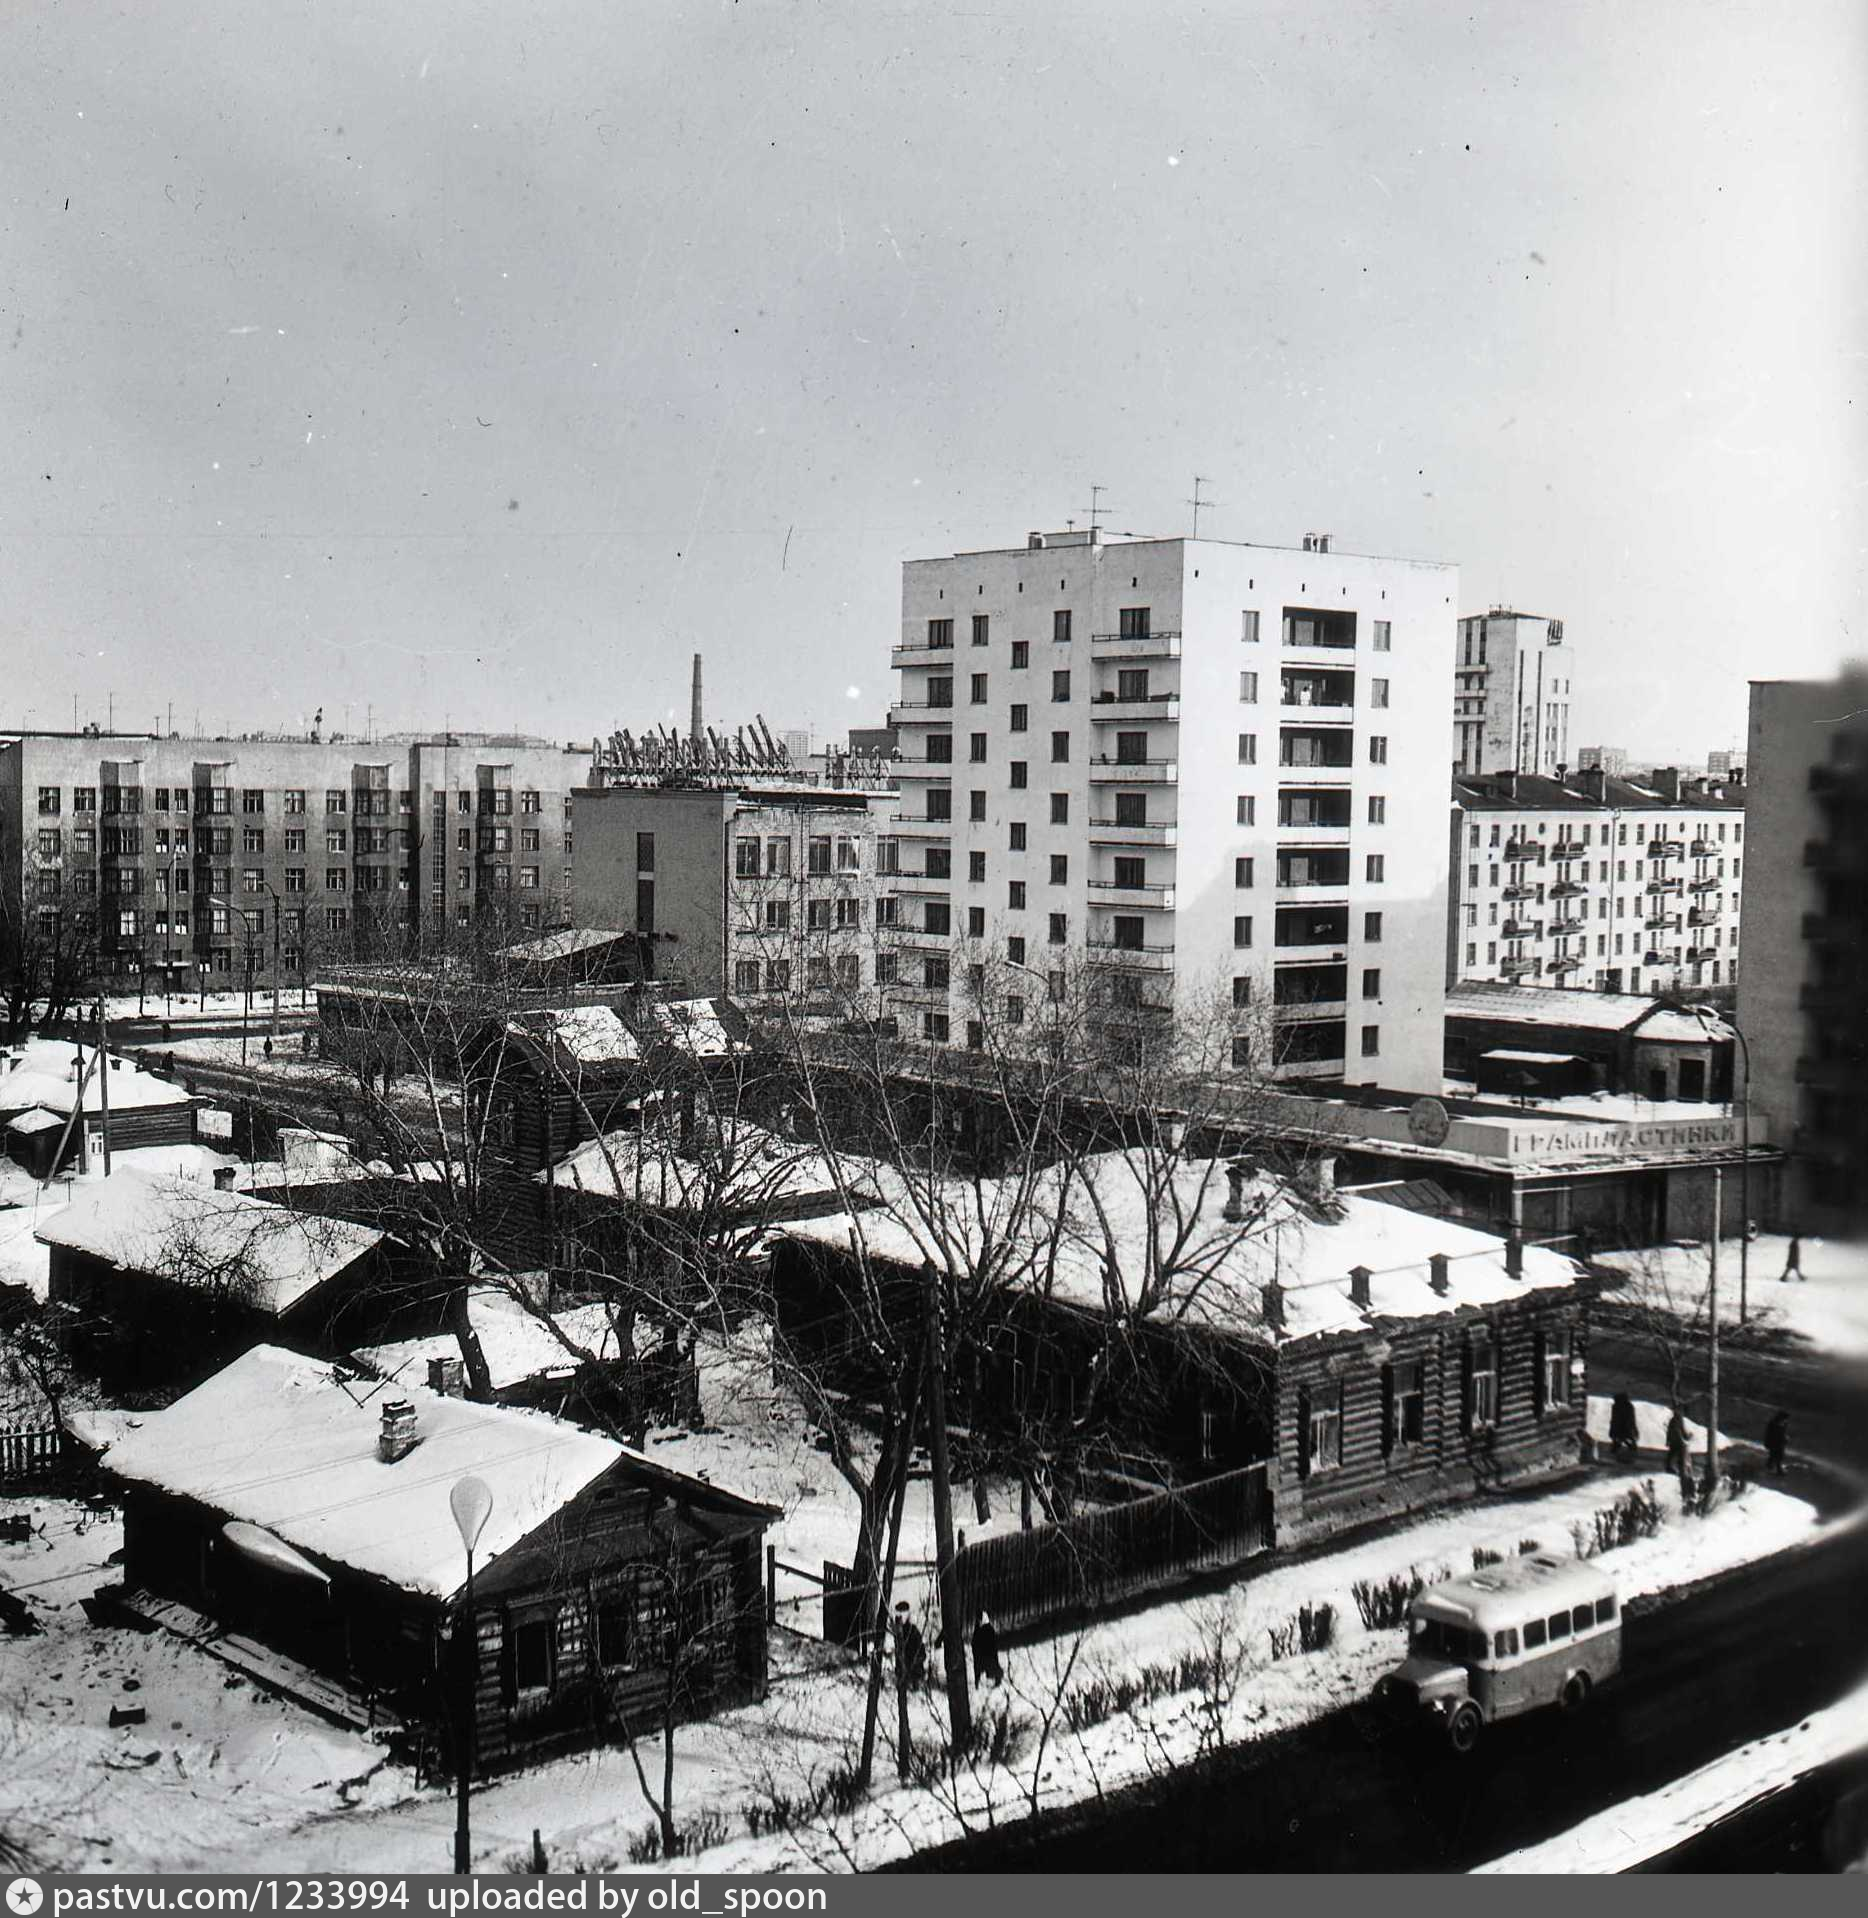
(1438, 1639)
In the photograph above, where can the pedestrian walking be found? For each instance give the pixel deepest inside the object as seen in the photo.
(1793, 1263)
(1676, 1444)
(911, 1663)
(1624, 1427)
(1776, 1439)
(986, 1667)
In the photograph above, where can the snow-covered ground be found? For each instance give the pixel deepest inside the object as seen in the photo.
(1597, 1105)
(223, 1775)
(1829, 1310)
(1638, 1829)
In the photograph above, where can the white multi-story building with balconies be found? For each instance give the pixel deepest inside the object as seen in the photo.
(1210, 771)
(1618, 885)
(1511, 694)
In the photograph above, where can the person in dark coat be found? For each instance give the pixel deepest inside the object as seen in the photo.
(1776, 1439)
(986, 1666)
(911, 1651)
(1676, 1444)
(1624, 1427)
(1793, 1263)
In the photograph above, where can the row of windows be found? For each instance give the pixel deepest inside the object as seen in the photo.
(762, 858)
(1301, 627)
(365, 802)
(1687, 830)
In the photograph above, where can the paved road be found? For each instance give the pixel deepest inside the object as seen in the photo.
(1744, 1657)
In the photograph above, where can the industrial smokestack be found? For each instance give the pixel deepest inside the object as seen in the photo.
(696, 726)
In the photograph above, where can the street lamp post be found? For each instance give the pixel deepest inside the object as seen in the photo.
(471, 1501)
(1713, 1024)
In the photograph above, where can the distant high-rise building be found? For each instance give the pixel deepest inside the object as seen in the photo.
(1612, 760)
(1803, 996)
(1511, 695)
(1722, 765)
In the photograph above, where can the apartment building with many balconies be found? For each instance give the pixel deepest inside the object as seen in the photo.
(1203, 770)
(1511, 694)
(1803, 999)
(1615, 885)
(180, 856)
(767, 891)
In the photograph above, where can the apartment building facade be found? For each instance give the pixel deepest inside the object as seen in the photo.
(769, 892)
(1203, 771)
(1511, 694)
(219, 856)
(1613, 885)
(1803, 998)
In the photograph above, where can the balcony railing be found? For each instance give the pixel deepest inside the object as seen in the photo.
(1568, 889)
(1703, 916)
(1517, 851)
(1698, 955)
(1317, 712)
(1154, 958)
(922, 768)
(1564, 928)
(1565, 962)
(1664, 849)
(1702, 849)
(919, 653)
(1109, 709)
(919, 712)
(1663, 922)
(1296, 1012)
(1112, 832)
(1705, 885)
(1568, 849)
(1522, 929)
(1136, 772)
(916, 825)
(1164, 644)
(1659, 888)
(1519, 892)
(1517, 968)
(1660, 959)
(1112, 892)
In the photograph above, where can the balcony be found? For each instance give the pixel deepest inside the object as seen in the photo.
(1517, 851)
(1152, 645)
(1517, 968)
(920, 712)
(1519, 892)
(1310, 1068)
(920, 653)
(1662, 922)
(1660, 958)
(1148, 958)
(1665, 849)
(918, 826)
(921, 884)
(1522, 929)
(904, 769)
(1698, 955)
(1568, 889)
(1565, 962)
(1705, 885)
(1568, 849)
(1565, 928)
(1111, 892)
(1303, 1011)
(1106, 771)
(1663, 888)
(1702, 916)
(1701, 849)
(1111, 832)
(1109, 709)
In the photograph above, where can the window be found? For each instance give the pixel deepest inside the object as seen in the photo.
(778, 858)
(253, 879)
(84, 799)
(976, 804)
(1242, 931)
(1248, 689)
(976, 868)
(849, 914)
(934, 1028)
(1378, 810)
(1242, 872)
(940, 803)
(940, 691)
(976, 689)
(1378, 749)
(1248, 749)
(1248, 628)
(1015, 950)
(886, 962)
(253, 839)
(817, 857)
(976, 922)
(295, 878)
(1555, 1370)
(940, 633)
(937, 917)
(1371, 982)
(1376, 867)
(1383, 640)
(940, 749)
(745, 975)
(1481, 1382)
(982, 629)
(1246, 810)
(1323, 1439)
(1021, 719)
(1015, 835)
(528, 879)
(976, 748)
(1060, 748)
(529, 839)
(1060, 687)
(336, 800)
(335, 839)
(1057, 929)
(1060, 626)
(1558, 1625)
(336, 878)
(1015, 894)
(48, 799)
(1371, 1042)
(1534, 1634)
(1372, 928)
(1378, 692)
(1407, 1403)
(1060, 869)
(1021, 654)
(778, 915)
(336, 918)
(778, 975)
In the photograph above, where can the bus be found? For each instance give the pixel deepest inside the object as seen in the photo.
(1525, 1633)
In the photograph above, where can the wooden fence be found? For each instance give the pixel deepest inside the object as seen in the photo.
(30, 1458)
(1085, 1564)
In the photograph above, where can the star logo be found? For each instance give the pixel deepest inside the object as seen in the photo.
(24, 1896)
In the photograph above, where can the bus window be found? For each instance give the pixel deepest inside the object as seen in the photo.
(1505, 1643)
(1605, 1611)
(1533, 1634)
(1559, 1626)
(1583, 1617)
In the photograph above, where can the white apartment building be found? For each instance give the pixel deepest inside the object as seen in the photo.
(1511, 695)
(1614, 885)
(1205, 767)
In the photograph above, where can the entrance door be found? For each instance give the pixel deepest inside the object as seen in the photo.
(1692, 1078)
(1657, 1083)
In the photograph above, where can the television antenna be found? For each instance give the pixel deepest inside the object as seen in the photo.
(1197, 502)
(1096, 509)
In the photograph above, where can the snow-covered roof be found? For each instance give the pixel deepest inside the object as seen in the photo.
(179, 1226)
(281, 1441)
(695, 1026)
(560, 945)
(587, 1035)
(746, 1165)
(516, 1344)
(1530, 1058)
(1580, 1011)
(37, 1120)
(1095, 1235)
(45, 1075)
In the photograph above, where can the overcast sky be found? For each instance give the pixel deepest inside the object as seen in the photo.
(481, 361)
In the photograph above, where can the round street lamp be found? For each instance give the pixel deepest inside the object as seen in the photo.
(471, 1502)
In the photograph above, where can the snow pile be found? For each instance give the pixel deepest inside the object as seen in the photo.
(1640, 1829)
(516, 1343)
(1650, 1425)
(1828, 1310)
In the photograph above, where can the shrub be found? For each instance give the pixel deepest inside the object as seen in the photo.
(1526, 1546)
(1382, 1604)
(1638, 1513)
(696, 1834)
(835, 1794)
(1481, 1558)
(1309, 1629)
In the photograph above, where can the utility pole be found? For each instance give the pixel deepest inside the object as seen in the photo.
(103, 1082)
(1712, 1351)
(952, 1626)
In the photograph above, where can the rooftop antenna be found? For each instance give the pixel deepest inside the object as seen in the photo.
(696, 730)
(1096, 508)
(1197, 502)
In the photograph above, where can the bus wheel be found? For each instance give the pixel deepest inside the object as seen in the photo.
(1575, 1693)
(1462, 1729)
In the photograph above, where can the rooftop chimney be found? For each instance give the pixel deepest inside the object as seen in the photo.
(1234, 1212)
(1359, 1286)
(1034, 542)
(1514, 1254)
(1316, 542)
(398, 1437)
(1437, 1273)
(446, 1377)
(1273, 1296)
(696, 725)
(223, 1178)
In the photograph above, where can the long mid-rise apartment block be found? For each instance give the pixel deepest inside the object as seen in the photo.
(1617, 885)
(1209, 771)
(178, 855)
